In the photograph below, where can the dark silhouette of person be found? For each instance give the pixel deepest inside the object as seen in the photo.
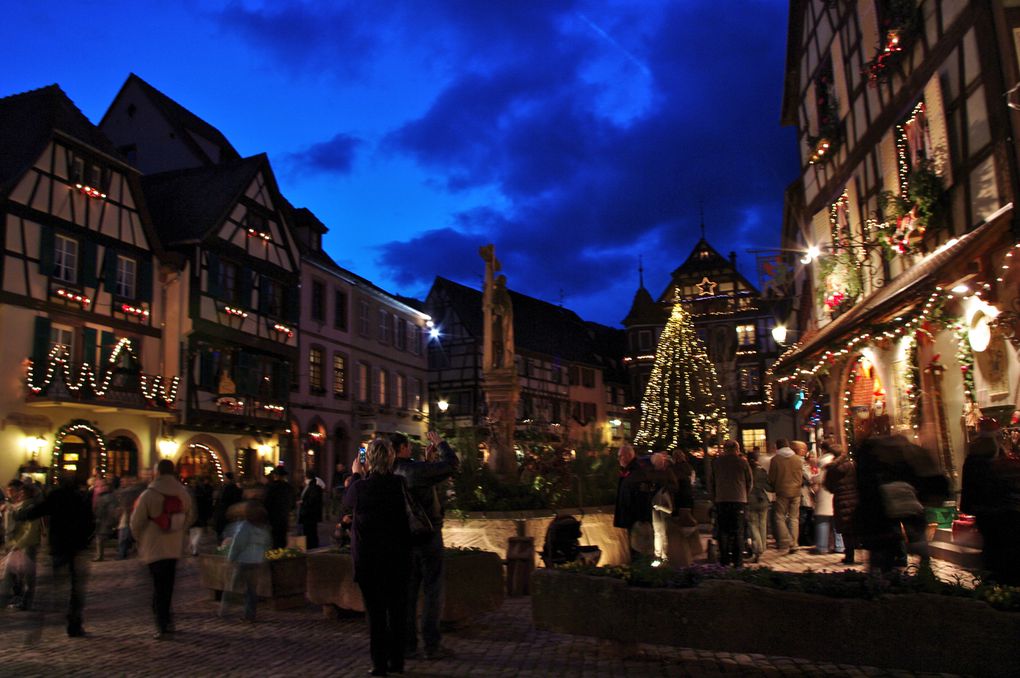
(279, 500)
(310, 509)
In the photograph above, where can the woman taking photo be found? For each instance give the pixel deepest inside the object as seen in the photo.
(381, 550)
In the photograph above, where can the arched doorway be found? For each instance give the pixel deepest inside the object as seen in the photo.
(315, 447)
(79, 452)
(198, 461)
(864, 402)
(122, 457)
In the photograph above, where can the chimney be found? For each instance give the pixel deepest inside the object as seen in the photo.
(733, 259)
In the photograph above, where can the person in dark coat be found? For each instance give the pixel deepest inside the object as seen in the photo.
(730, 487)
(381, 551)
(634, 492)
(71, 525)
(841, 481)
(882, 463)
(279, 500)
(230, 494)
(427, 560)
(985, 494)
(310, 509)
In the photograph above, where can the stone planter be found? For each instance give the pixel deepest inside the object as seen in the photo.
(473, 583)
(918, 632)
(282, 582)
(492, 531)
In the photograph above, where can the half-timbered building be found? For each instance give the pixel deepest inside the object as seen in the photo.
(733, 319)
(87, 387)
(232, 307)
(571, 386)
(905, 220)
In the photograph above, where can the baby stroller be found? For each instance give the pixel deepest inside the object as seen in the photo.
(562, 543)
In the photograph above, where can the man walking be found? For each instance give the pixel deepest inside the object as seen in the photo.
(786, 474)
(71, 525)
(426, 560)
(159, 524)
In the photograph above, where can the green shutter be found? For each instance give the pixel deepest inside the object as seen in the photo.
(244, 286)
(264, 286)
(108, 340)
(245, 374)
(88, 263)
(89, 345)
(281, 380)
(110, 270)
(46, 246)
(293, 301)
(208, 365)
(212, 268)
(144, 286)
(40, 343)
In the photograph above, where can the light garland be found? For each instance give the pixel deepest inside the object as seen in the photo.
(212, 455)
(59, 359)
(71, 295)
(252, 233)
(230, 310)
(90, 192)
(283, 329)
(912, 386)
(683, 403)
(134, 310)
(72, 428)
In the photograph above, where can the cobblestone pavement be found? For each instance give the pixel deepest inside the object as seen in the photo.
(304, 643)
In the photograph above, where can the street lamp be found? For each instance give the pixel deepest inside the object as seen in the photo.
(443, 405)
(779, 334)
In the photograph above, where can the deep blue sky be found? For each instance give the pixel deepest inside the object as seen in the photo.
(575, 135)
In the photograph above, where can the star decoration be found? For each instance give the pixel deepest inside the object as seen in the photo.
(706, 286)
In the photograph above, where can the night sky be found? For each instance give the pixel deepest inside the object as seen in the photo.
(575, 135)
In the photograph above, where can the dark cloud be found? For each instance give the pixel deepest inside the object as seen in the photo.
(335, 156)
(586, 192)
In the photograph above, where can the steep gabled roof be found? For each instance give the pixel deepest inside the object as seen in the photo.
(184, 121)
(186, 204)
(705, 260)
(27, 123)
(539, 326)
(644, 310)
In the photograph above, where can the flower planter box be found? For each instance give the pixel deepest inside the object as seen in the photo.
(473, 583)
(282, 582)
(918, 632)
(492, 531)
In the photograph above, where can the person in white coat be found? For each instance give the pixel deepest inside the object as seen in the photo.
(823, 505)
(159, 524)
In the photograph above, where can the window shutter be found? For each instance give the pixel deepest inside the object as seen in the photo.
(143, 287)
(107, 342)
(293, 298)
(244, 286)
(89, 346)
(264, 285)
(244, 374)
(110, 270)
(281, 380)
(88, 263)
(212, 275)
(839, 74)
(46, 247)
(40, 342)
(890, 165)
(207, 367)
(937, 130)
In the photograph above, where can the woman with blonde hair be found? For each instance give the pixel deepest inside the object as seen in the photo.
(381, 550)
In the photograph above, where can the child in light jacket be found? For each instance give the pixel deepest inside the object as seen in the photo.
(247, 553)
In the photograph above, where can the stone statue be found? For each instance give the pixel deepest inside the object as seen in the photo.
(499, 371)
(499, 315)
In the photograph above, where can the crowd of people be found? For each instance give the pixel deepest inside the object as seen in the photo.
(162, 521)
(824, 500)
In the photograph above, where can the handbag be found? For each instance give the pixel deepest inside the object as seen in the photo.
(418, 521)
(662, 501)
(899, 499)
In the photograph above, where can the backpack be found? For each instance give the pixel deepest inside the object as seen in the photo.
(172, 517)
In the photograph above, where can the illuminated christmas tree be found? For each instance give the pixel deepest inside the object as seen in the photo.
(683, 404)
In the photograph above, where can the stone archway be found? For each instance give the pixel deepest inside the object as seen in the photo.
(202, 456)
(123, 450)
(79, 451)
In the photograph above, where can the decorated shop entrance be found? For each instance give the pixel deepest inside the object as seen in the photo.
(79, 451)
(198, 461)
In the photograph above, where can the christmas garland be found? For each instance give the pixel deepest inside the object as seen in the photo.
(899, 29)
(965, 358)
(911, 216)
(841, 280)
(912, 385)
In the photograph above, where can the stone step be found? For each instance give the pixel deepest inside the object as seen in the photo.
(962, 556)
